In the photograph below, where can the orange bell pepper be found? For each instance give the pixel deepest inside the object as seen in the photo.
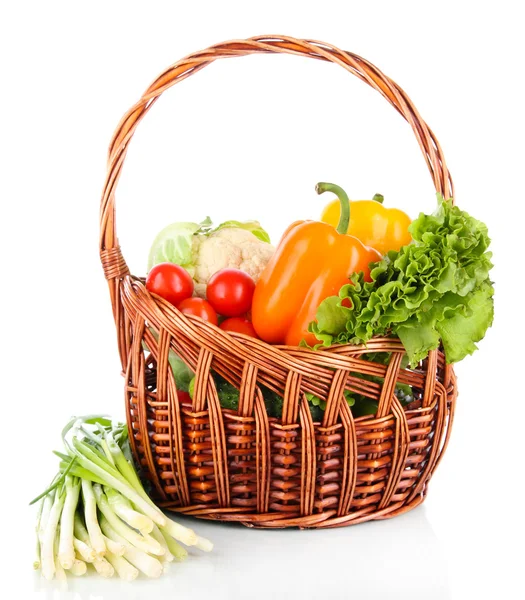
(312, 261)
(382, 228)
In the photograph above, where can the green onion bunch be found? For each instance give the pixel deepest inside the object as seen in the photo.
(96, 511)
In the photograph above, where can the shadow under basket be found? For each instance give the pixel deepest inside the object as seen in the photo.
(300, 467)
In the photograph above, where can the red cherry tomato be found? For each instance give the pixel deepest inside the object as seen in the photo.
(183, 397)
(230, 292)
(171, 282)
(199, 308)
(239, 325)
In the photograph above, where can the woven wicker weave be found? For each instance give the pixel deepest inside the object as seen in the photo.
(244, 466)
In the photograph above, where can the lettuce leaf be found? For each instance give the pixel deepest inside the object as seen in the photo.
(432, 291)
(460, 332)
(252, 226)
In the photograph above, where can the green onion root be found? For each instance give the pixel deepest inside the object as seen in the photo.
(151, 567)
(78, 567)
(116, 548)
(86, 552)
(175, 548)
(103, 567)
(124, 569)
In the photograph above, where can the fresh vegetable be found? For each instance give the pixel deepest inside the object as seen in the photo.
(183, 397)
(171, 282)
(199, 307)
(229, 248)
(228, 393)
(115, 527)
(181, 372)
(66, 550)
(239, 325)
(253, 227)
(191, 388)
(318, 406)
(313, 260)
(203, 250)
(230, 292)
(229, 398)
(381, 228)
(364, 406)
(433, 291)
(174, 244)
(273, 402)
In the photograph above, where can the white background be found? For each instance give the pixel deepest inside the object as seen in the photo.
(249, 138)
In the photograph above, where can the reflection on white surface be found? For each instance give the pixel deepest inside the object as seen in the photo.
(396, 558)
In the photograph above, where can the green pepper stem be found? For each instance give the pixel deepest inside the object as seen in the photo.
(344, 219)
(379, 198)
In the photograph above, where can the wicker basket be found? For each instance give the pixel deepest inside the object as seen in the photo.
(245, 466)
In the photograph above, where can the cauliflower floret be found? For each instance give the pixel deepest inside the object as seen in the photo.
(233, 248)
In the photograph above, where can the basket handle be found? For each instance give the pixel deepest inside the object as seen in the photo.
(113, 262)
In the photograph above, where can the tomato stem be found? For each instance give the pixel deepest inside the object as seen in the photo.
(344, 219)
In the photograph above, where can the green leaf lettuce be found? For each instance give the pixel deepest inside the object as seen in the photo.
(434, 290)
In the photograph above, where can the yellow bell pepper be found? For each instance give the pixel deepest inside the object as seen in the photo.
(376, 226)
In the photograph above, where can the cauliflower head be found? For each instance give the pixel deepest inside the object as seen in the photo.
(233, 248)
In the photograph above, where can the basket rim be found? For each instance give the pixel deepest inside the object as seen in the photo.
(199, 342)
